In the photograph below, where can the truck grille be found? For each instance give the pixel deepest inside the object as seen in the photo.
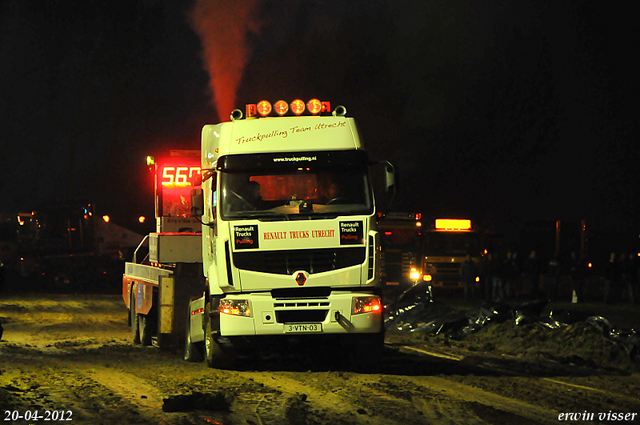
(288, 261)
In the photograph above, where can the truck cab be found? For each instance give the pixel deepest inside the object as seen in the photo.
(289, 240)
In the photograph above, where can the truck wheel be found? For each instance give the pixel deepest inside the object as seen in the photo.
(192, 350)
(366, 352)
(217, 355)
(135, 327)
(144, 329)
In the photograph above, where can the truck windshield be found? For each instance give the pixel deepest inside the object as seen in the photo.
(451, 244)
(295, 192)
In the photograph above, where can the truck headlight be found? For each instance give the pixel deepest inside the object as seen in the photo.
(415, 274)
(366, 305)
(235, 307)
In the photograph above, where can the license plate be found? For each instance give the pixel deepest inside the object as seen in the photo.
(303, 328)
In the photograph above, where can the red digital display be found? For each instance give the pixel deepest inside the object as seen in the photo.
(178, 175)
(174, 178)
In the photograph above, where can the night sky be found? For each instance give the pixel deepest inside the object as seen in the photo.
(498, 110)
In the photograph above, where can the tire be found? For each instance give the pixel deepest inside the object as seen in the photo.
(134, 319)
(144, 329)
(193, 351)
(216, 354)
(365, 354)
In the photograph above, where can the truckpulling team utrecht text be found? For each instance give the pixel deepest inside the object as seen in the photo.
(285, 133)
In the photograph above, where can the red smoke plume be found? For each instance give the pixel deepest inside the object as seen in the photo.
(222, 26)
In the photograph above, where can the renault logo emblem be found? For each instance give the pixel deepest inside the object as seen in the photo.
(301, 278)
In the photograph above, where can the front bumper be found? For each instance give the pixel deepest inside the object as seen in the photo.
(275, 316)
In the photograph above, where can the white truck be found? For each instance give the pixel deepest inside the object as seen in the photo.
(288, 249)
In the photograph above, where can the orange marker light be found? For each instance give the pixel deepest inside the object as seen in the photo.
(297, 106)
(264, 108)
(106, 218)
(314, 106)
(142, 219)
(281, 107)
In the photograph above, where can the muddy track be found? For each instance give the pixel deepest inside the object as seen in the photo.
(115, 383)
(88, 366)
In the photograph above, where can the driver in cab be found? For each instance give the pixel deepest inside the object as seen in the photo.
(335, 194)
(248, 198)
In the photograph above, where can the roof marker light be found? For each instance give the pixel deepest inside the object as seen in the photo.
(264, 108)
(314, 106)
(281, 107)
(297, 106)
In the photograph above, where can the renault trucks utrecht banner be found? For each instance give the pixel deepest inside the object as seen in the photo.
(304, 234)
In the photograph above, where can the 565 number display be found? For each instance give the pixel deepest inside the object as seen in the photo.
(35, 415)
(178, 176)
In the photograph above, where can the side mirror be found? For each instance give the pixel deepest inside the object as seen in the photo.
(197, 203)
(390, 177)
(385, 183)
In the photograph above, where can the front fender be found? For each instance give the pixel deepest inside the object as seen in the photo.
(212, 278)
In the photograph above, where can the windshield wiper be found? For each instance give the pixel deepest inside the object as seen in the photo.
(260, 215)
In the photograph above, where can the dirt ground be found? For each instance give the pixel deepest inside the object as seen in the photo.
(71, 357)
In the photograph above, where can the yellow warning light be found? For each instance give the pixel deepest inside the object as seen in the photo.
(106, 218)
(453, 225)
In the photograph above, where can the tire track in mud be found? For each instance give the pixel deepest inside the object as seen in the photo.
(384, 399)
(59, 388)
(308, 403)
(146, 399)
(94, 394)
(545, 386)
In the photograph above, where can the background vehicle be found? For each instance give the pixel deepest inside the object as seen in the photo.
(447, 241)
(166, 269)
(401, 244)
(65, 247)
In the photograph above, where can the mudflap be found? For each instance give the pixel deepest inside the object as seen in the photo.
(174, 296)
